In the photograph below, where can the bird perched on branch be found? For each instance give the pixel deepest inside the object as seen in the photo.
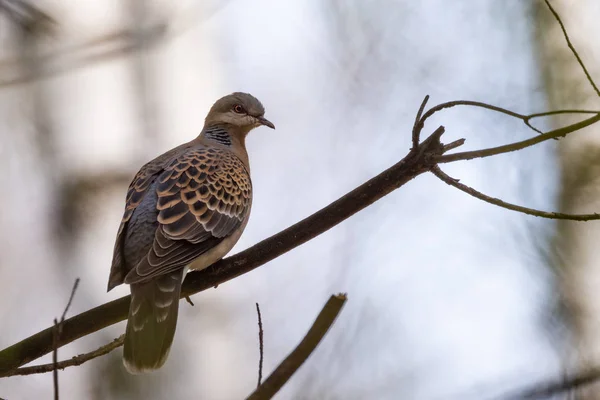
(184, 210)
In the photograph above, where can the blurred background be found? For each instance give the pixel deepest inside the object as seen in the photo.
(448, 297)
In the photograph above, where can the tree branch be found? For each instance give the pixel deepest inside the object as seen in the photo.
(418, 125)
(500, 203)
(548, 389)
(102, 48)
(296, 358)
(507, 148)
(526, 118)
(564, 31)
(73, 362)
(418, 161)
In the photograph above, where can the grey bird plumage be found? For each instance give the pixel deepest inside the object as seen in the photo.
(185, 209)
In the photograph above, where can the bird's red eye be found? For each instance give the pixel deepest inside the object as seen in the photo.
(238, 109)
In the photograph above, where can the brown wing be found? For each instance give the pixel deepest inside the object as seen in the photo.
(135, 193)
(203, 196)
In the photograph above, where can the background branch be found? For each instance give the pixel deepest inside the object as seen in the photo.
(296, 358)
(419, 160)
(546, 390)
(103, 48)
(575, 53)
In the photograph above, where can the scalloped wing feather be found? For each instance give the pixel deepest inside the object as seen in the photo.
(204, 195)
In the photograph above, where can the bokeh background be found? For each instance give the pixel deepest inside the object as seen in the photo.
(449, 297)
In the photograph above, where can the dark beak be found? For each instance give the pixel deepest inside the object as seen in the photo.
(265, 122)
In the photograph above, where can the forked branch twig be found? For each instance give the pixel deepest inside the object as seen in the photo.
(296, 358)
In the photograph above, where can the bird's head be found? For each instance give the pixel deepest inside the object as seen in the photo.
(238, 110)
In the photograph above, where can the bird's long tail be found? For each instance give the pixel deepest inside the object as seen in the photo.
(151, 323)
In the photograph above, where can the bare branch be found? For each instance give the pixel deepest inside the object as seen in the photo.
(418, 125)
(296, 358)
(526, 118)
(507, 148)
(73, 362)
(454, 145)
(414, 164)
(28, 17)
(64, 314)
(529, 117)
(495, 201)
(564, 31)
(260, 346)
(426, 156)
(478, 104)
(557, 112)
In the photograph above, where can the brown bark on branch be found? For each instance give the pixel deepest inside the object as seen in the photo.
(73, 362)
(418, 161)
(509, 206)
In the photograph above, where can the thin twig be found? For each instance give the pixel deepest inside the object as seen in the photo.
(73, 362)
(526, 118)
(529, 117)
(418, 126)
(429, 113)
(56, 337)
(453, 145)
(55, 359)
(507, 148)
(564, 31)
(64, 314)
(500, 203)
(260, 346)
(189, 300)
(296, 358)
(557, 112)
